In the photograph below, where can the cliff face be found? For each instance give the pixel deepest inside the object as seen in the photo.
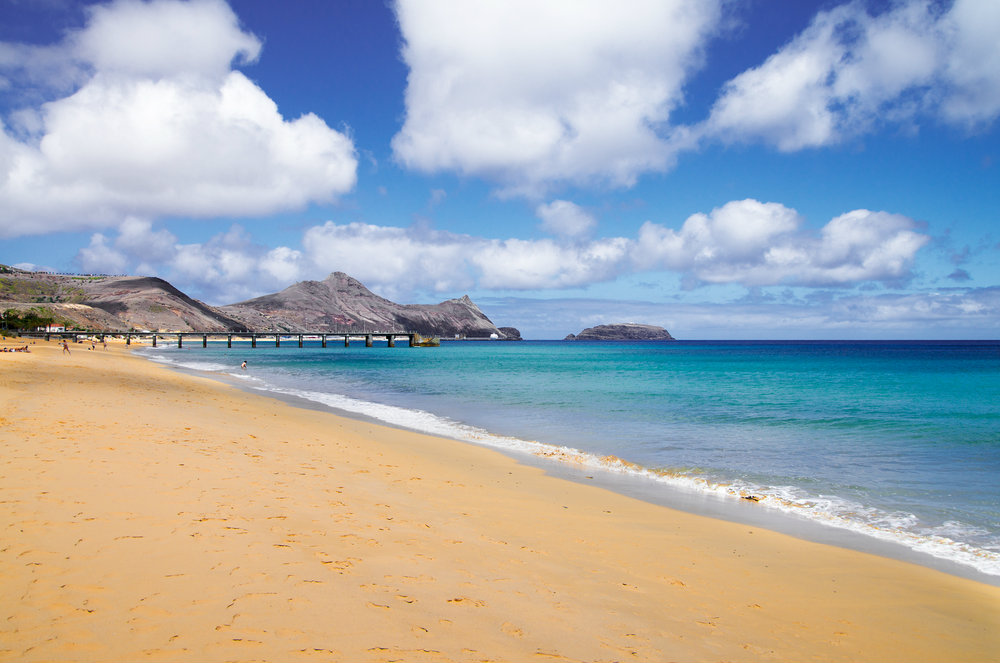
(510, 334)
(622, 332)
(342, 303)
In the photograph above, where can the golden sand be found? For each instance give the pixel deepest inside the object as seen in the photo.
(147, 514)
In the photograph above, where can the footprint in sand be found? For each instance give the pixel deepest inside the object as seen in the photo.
(512, 630)
(340, 565)
(411, 579)
(321, 653)
(252, 596)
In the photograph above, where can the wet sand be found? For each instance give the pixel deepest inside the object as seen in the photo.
(147, 514)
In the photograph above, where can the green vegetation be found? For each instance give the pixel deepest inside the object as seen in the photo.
(22, 320)
(15, 289)
(26, 320)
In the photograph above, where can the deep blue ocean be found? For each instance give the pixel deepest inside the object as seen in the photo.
(896, 440)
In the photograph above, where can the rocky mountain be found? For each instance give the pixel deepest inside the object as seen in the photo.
(340, 303)
(510, 334)
(107, 303)
(629, 331)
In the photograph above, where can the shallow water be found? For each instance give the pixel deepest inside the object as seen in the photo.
(896, 440)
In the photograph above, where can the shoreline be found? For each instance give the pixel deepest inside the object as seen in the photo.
(150, 513)
(637, 482)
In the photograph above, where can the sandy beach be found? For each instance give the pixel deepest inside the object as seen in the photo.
(150, 515)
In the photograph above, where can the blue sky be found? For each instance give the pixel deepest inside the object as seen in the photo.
(757, 169)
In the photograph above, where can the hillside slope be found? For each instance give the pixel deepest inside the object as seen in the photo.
(109, 303)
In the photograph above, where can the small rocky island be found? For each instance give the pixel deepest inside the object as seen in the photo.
(629, 331)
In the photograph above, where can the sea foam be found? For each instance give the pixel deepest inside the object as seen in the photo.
(950, 540)
(900, 528)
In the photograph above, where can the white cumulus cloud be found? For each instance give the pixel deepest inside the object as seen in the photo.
(566, 219)
(395, 259)
(754, 243)
(539, 264)
(100, 257)
(405, 259)
(165, 39)
(163, 126)
(137, 238)
(850, 71)
(744, 242)
(136, 249)
(532, 94)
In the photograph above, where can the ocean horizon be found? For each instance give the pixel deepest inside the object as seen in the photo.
(892, 441)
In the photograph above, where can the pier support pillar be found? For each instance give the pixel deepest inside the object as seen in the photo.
(300, 340)
(253, 340)
(128, 339)
(180, 340)
(154, 340)
(368, 340)
(347, 340)
(324, 340)
(277, 340)
(391, 340)
(204, 341)
(229, 341)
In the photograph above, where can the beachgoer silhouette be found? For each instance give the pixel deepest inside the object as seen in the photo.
(244, 365)
(66, 348)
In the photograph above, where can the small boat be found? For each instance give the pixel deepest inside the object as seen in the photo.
(425, 341)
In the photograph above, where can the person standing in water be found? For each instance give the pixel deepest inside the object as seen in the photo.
(244, 365)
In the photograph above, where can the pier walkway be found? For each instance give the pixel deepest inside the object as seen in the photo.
(412, 339)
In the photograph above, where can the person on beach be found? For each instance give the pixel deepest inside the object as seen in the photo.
(244, 365)
(66, 348)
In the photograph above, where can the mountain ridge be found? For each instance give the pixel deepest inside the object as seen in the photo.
(342, 303)
(149, 303)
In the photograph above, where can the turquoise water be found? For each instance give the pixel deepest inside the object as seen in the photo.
(896, 440)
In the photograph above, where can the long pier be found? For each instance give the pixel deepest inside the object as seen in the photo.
(391, 337)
